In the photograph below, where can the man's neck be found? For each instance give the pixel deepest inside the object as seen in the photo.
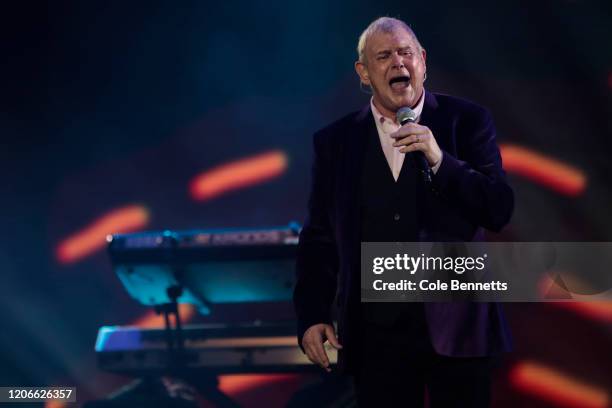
(390, 114)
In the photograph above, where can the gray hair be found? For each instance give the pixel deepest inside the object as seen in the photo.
(385, 25)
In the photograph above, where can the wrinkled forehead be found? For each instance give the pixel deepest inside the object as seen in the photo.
(397, 38)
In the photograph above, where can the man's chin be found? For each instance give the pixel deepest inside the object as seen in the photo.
(407, 100)
(395, 102)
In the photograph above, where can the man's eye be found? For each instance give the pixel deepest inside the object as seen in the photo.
(382, 57)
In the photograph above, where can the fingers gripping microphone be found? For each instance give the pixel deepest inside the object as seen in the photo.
(403, 116)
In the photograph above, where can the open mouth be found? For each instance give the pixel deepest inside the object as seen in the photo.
(399, 83)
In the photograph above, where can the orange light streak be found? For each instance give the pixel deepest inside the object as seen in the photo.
(55, 404)
(600, 310)
(555, 387)
(151, 320)
(93, 237)
(235, 384)
(596, 310)
(554, 174)
(238, 174)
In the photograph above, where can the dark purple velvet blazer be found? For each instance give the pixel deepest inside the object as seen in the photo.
(472, 194)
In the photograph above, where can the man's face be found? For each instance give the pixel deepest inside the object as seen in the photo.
(394, 68)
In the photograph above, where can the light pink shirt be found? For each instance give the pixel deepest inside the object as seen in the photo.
(385, 127)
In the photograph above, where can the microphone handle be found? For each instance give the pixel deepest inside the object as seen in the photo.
(423, 166)
(420, 161)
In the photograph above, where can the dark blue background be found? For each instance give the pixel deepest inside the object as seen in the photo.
(104, 104)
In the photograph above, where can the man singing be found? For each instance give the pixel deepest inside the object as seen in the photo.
(367, 186)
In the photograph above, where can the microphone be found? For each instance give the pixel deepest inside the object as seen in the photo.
(403, 116)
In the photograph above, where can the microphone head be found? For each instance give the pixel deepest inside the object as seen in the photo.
(405, 115)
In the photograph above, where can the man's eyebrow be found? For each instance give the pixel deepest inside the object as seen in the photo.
(387, 51)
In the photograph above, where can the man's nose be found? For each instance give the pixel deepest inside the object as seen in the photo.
(398, 61)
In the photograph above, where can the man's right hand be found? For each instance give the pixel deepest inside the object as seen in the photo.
(313, 340)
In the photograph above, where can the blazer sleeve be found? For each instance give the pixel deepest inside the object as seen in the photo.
(476, 184)
(317, 260)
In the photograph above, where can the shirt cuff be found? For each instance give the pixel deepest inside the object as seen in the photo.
(435, 168)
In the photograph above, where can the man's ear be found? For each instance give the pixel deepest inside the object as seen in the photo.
(362, 71)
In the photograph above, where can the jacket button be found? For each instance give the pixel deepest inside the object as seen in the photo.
(396, 217)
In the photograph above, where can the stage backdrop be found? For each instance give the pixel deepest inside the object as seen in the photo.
(125, 116)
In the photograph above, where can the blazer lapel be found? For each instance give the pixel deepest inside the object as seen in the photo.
(430, 109)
